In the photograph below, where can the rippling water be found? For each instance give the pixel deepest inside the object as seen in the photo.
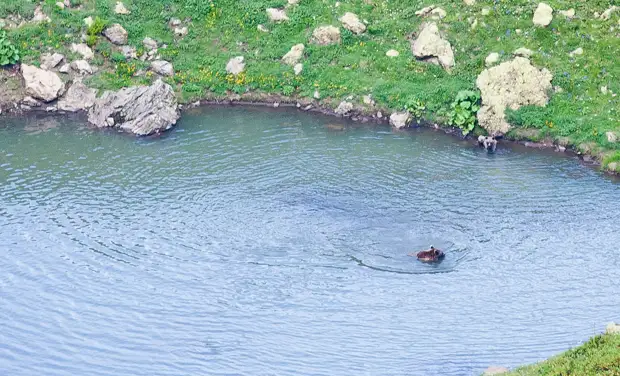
(253, 242)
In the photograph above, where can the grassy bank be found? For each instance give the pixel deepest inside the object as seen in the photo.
(579, 113)
(600, 356)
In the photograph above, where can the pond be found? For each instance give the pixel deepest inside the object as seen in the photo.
(251, 241)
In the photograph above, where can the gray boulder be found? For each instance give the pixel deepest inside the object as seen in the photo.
(81, 67)
(344, 108)
(50, 61)
(325, 35)
(41, 84)
(163, 68)
(400, 120)
(141, 110)
(79, 97)
(116, 34)
(430, 46)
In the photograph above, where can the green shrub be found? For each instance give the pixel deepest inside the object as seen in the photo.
(415, 107)
(8, 53)
(91, 40)
(118, 57)
(125, 70)
(97, 27)
(463, 110)
(288, 90)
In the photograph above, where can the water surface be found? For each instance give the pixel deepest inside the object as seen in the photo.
(254, 242)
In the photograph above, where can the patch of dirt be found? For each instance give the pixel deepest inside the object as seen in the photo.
(12, 89)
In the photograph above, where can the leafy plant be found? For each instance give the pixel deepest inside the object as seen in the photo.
(288, 90)
(8, 53)
(463, 110)
(125, 70)
(97, 27)
(415, 107)
(91, 40)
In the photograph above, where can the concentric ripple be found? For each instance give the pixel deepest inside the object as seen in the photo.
(255, 242)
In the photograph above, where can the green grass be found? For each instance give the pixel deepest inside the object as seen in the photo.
(600, 356)
(220, 29)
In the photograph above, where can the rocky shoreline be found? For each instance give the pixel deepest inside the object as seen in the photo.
(142, 112)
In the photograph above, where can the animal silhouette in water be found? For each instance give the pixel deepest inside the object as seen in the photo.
(430, 255)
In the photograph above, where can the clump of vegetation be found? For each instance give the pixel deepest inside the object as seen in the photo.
(599, 356)
(9, 54)
(464, 109)
(415, 107)
(96, 27)
(125, 70)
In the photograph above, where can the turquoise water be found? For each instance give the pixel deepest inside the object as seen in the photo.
(256, 242)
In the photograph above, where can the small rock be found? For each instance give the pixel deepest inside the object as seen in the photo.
(174, 22)
(64, 68)
(379, 115)
(344, 108)
(81, 67)
(262, 29)
(612, 328)
(325, 35)
(293, 2)
(41, 84)
(494, 370)
(88, 21)
(60, 5)
(604, 90)
(30, 101)
(110, 121)
(613, 166)
(486, 11)
(83, 50)
(120, 8)
(25, 107)
(39, 16)
(78, 97)
(430, 46)
(351, 22)
(308, 107)
(400, 120)
(277, 15)
(474, 24)
(149, 43)
(368, 100)
(51, 109)
(181, 31)
(317, 95)
(116, 34)
(560, 148)
(543, 15)
(492, 59)
(129, 52)
(469, 2)
(294, 55)
(50, 61)
(611, 137)
(392, 53)
(298, 68)
(607, 14)
(568, 13)
(524, 52)
(578, 51)
(276, 104)
(163, 68)
(434, 12)
(518, 31)
(235, 65)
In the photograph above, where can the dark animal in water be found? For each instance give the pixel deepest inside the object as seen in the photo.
(430, 255)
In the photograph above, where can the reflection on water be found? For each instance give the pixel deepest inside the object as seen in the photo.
(257, 242)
